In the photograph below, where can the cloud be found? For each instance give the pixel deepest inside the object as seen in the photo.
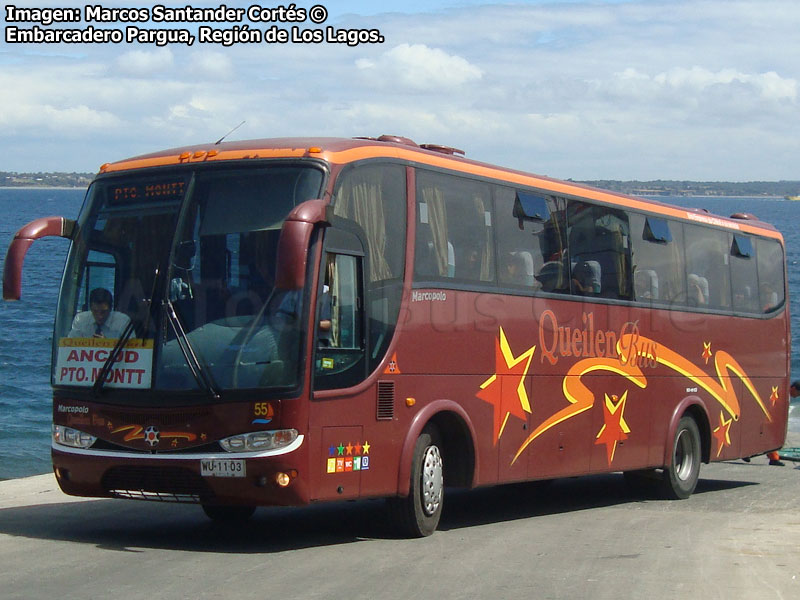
(213, 65)
(769, 85)
(143, 63)
(48, 119)
(704, 89)
(419, 67)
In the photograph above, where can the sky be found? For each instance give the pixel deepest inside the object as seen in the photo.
(624, 89)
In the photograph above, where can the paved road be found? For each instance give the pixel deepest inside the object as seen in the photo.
(737, 537)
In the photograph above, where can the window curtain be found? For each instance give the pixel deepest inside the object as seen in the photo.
(437, 219)
(360, 198)
(487, 255)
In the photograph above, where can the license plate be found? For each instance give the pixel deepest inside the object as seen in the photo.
(222, 468)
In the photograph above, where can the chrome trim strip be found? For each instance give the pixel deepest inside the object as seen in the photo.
(167, 456)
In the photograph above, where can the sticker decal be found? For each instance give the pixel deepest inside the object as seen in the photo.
(392, 368)
(348, 457)
(263, 413)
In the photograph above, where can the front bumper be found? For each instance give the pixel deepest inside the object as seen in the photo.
(173, 477)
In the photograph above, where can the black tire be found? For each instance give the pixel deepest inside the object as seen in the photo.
(418, 514)
(228, 514)
(680, 476)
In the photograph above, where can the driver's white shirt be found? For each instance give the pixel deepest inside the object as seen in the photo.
(84, 325)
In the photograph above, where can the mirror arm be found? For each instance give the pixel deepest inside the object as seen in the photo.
(295, 239)
(24, 238)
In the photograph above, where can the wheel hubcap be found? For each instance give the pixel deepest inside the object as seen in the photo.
(432, 480)
(684, 456)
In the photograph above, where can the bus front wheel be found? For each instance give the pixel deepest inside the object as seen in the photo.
(418, 514)
(680, 476)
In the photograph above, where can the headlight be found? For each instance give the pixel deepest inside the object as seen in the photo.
(66, 436)
(259, 440)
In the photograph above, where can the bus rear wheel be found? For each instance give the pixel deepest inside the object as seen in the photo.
(228, 514)
(680, 476)
(418, 514)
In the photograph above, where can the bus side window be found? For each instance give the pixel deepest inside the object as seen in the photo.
(454, 229)
(771, 287)
(659, 273)
(599, 248)
(373, 195)
(530, 247)
(707, 267)
(744, 276)
(340, 339)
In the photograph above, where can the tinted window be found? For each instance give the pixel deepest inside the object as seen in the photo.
(374, 196)
(599, 246)
(531, 252)
(339, 360)
(744, 277)
(770, 275)
(707, 267)
(658, 265)
(454, 229)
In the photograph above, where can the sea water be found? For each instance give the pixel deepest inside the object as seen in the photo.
(26, 331)
(26, 327)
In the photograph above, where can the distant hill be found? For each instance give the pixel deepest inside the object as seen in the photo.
(76, 180)
(699, 188)
(657, 187)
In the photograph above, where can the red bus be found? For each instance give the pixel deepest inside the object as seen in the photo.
(288, 321)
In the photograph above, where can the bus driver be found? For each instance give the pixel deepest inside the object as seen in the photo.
(99, 320)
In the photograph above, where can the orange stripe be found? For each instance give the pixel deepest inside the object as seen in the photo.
(454, 164)
(175, 159)
(545, 184)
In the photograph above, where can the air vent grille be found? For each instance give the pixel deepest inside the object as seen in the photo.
(385, 400)
(167, 484)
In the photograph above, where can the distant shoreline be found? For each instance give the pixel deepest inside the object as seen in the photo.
(652, 188)
(756, 197)
(42, 187)
(671, 194)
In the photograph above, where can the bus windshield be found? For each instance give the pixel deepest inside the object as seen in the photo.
(181, 265)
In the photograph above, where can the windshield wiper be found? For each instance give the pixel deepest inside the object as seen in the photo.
(112, 357)
(198, 372)
(125, 336)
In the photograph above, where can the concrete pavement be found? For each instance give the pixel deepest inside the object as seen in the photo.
(738, 536)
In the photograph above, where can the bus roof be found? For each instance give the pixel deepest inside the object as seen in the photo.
(345, 150)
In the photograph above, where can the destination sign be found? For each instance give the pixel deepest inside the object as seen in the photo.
(151, 191)
(80, 361)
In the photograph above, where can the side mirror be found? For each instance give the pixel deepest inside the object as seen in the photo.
(295, 241)
(24, 238)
